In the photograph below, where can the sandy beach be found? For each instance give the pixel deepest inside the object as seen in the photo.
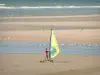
(29, 64)
(73, 36)
(75, 29)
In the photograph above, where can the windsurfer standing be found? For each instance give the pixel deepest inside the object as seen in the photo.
(47, 54)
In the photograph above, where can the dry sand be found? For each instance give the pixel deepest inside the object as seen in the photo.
(29, 64)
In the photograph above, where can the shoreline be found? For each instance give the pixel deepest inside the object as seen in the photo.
(54, 16)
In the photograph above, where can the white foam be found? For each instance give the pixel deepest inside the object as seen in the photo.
(43, 7)
(2, 4)
(3, 7)
(61, 7)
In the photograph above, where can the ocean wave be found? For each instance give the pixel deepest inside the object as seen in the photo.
(2, 4)
(51, 7)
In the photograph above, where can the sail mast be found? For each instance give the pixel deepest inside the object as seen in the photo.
(50, 44)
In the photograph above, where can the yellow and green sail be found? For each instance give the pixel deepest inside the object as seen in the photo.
(54, 48)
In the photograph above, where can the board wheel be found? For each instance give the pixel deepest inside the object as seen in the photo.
(41, 61)
(51, 61)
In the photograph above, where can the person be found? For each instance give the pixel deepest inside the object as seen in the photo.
(47, 54)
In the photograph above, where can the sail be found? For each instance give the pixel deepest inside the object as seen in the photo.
(54, 48)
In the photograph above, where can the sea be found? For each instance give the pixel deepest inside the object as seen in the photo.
(13, 8)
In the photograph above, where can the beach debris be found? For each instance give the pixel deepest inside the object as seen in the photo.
(69, 44)
(96, 45)
(39, 45)
(81, 29)
(62, 44)
(44, 44)
(89, 45)
(9, 38)
(72, 45)
(75, 44)
(80, 45)
(71, 70)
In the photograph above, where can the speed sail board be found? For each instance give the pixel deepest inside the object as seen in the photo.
(54, 48)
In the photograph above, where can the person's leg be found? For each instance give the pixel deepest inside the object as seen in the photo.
(46, 58)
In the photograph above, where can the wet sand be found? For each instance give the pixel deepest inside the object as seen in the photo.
(46, 22)
(29, 64)
(73, 36)
(74, 29)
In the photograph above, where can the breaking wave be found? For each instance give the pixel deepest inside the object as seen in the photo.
(44, 7)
